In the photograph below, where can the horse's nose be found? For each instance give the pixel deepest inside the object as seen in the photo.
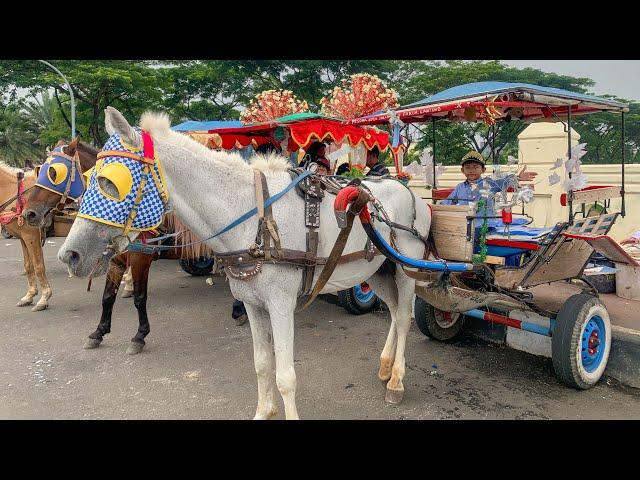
(32, 217)
(70, 257)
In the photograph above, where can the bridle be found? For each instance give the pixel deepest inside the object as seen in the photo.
(120, 242)
(74, 167)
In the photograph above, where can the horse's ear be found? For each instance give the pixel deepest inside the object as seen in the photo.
(73, 145)
(114, 122)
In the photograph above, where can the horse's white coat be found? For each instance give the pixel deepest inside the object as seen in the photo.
(209, 190)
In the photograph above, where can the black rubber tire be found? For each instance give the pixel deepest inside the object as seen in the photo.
(351, 304)
(189, 266)
(427, 324)
(604, 283)
(566, 341)
(6, 234)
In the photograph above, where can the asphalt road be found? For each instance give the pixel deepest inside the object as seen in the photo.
(199, 365)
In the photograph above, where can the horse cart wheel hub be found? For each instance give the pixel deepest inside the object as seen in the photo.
(446, 319)
(592, 343)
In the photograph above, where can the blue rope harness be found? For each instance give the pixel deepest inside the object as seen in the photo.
(141, 247)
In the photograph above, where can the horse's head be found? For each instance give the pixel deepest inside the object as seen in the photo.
(59, 180)
(125, 195)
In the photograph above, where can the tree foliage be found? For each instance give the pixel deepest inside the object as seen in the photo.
(36, 103)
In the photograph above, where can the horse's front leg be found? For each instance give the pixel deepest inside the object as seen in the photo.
(114, 276)
(263, 361)
(140, 265)
(281, 311)
(34, 244)
(32, 290)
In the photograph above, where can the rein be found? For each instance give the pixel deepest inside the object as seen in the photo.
(243, 218)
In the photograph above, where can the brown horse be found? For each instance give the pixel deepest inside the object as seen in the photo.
(140, 265)
(39, 204)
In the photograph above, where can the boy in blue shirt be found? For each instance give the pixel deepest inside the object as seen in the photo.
(473, 167)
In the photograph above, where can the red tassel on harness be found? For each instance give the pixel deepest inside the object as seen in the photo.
(507, 216)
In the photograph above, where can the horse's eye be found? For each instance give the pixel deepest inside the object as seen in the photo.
(115, 181)
(57, 172)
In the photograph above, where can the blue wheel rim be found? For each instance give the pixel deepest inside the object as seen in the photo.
(363, 296)
(593, 343)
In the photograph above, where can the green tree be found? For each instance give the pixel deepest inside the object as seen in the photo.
(17, 138)
(310, 80)
(130, 86)
(415, 80)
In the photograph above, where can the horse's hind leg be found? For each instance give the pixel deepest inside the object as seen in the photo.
(406, 289)
(31, 277)
(385, 288)
(263, 361)
(128, 284)
(117, 266)
(37, 257)
(140, 265)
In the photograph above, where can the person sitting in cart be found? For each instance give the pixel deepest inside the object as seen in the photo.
(473, 166)
(315, 159)
(376, 167)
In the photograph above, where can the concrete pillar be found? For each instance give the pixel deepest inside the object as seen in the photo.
(540, 144)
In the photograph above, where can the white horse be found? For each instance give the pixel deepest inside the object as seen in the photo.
(210, 189)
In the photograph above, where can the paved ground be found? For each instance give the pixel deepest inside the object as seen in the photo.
(198, 365)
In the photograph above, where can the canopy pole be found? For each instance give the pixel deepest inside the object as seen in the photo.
(570, 192)
(493, 144)
(433, 147)
(622, 191)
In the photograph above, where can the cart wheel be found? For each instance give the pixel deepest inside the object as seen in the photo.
(197, 267)
(5, 233)
(359, 300)
(581, 341)
(436, 324)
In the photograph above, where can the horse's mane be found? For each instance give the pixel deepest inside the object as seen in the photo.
(85, 146)
(187, 237)
(157, 124)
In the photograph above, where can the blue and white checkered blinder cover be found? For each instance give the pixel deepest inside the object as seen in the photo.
(105, 209)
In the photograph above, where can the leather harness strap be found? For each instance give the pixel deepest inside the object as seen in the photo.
(312, 198)
(121, 153)
(334, 257)
(243, 258)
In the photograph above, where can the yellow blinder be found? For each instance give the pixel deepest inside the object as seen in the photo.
(88, 173)
(57, 172)
(36, 170)
(121, 178)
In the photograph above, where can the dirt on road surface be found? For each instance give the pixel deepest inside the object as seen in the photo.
(198, 364)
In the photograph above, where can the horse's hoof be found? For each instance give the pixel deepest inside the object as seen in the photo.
(241, 320)
(268, 415)
(92, 343)
(394, 397)
(40, 306)
(24, 303)
(134, 348)
(127, 293)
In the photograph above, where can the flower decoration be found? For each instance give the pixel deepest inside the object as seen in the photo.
(490, 113)
(272, 104)
(364, 95)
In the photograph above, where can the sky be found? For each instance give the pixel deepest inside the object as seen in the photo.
(615, 77)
